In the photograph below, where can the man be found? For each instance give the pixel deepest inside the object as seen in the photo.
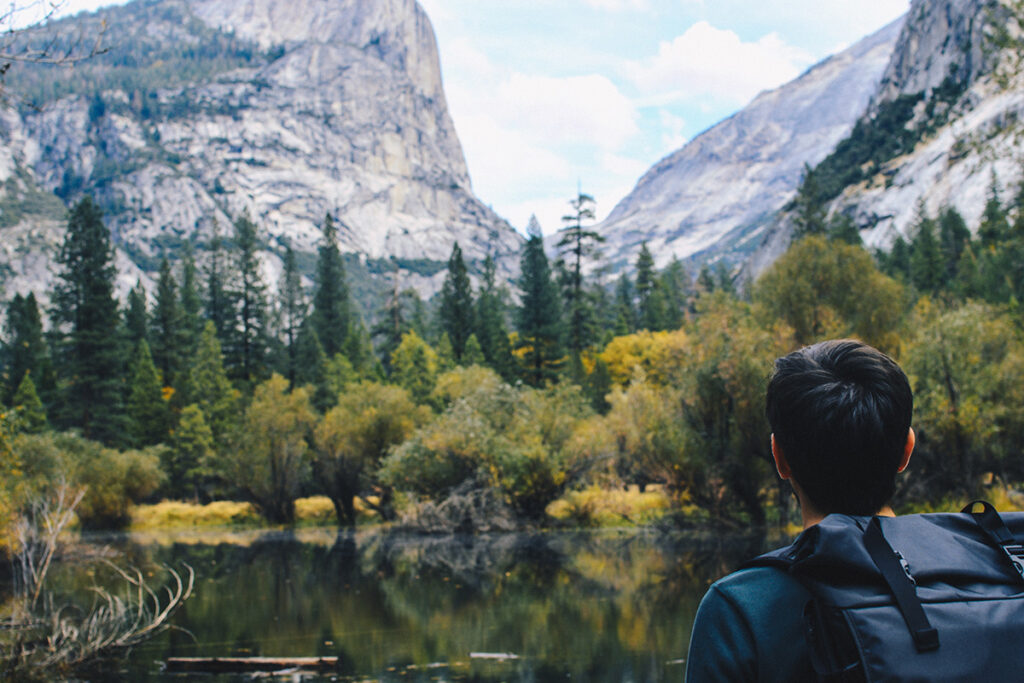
(840, 418)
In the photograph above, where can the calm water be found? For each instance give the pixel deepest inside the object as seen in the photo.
(607, 606)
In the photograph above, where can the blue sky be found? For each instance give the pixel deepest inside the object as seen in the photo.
(548, 94)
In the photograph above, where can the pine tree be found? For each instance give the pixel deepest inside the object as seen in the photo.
(402, 312)
(456, 311)
(220, 306)
(954, 236)
(311, 365)
(293, 312)
(491, 329)
(209, 386)
(31, 414)
(539, 316)
(414, 367)
(190, 303)
(994, 227)
(927, 264)
(246, 354)
(626, 315)
(25, 350)
(599, 385)
(148, 412)
(705, 280)
(136, 317)
(809, 216)
(192, 448)
(675, 283)
(445, 354)
(650, 299)
(169, 338)
(332, 314)
(575, 244)
(85, 311)
(723, 280)
(473, 353)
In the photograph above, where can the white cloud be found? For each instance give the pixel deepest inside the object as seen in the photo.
(559, 111)
(532, 136)
(707, 62)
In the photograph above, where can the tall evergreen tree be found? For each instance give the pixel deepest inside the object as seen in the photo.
(148, 412)
(136, 317)
(219, 301)
(190, 303)
(293, 311)
(927, 264)
(954, 236)
(809, 206)
(576, 243)
(169, 338)
(994, 226)
(539, 316)
(705, 280)
(85, 312)
(625, 310)
(675, 283)
(391, 324)
(332, 314)
(491, 330)
(311, 366)
(31, 414)
(25, 350)
(246, 354)
(456, 311)
(209, 387)
(650, 298)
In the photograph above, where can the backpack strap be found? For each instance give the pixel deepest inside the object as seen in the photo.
(995, 528)
(902, 586)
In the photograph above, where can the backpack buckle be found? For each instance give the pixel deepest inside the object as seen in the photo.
(906, 566)
(1016, 554)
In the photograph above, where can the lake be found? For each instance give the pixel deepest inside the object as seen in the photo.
(595, 606)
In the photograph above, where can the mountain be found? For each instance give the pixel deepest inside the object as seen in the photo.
(943, 124)
(204, 110)
(714, 197)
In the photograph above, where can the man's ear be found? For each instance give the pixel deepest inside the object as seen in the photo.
(907, 450)
(781, 464)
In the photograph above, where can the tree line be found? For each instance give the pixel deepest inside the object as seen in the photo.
(217, 389)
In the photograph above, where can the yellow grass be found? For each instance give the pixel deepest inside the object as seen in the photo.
(596, 506)
(172, 514)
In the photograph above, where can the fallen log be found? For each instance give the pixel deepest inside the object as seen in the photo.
(216, 665)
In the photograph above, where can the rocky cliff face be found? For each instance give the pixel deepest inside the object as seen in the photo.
(714, 197)
(961, 60)
(981, 131)
(286, 111)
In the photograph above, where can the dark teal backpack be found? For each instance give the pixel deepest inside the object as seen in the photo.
(931, 597)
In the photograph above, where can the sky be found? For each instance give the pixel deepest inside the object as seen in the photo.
(553, 96)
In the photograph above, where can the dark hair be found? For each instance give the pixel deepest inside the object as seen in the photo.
(840, 411)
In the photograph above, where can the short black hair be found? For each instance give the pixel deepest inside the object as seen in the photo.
(840, 411)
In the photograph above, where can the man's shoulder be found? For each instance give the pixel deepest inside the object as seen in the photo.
(756, 587)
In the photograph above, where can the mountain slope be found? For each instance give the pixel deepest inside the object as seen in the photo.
(714, 196)
(959, 64)
(207, 109)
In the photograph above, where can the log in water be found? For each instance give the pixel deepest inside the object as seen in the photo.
(215, 665)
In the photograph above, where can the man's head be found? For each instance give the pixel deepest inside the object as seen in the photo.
(840, 415)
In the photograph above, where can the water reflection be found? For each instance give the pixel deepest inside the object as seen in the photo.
(610, 606)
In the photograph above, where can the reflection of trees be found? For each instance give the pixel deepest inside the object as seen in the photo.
(597, 606)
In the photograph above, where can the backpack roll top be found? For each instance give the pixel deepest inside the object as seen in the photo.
(930, 597)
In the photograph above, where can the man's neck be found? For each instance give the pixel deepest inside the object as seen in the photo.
(810, 516)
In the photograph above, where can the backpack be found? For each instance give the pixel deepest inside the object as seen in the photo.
(926, 597)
